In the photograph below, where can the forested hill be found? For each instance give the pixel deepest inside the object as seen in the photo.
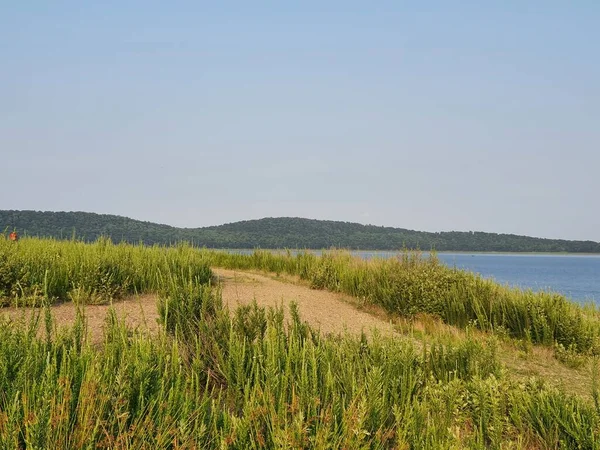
(283, 232)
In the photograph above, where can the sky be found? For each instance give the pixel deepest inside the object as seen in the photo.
(435, 116)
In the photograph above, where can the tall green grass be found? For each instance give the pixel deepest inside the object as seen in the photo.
(251, 378)
(411, 284)
(37, 270)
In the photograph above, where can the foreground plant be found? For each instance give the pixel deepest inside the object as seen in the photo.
(253, 380)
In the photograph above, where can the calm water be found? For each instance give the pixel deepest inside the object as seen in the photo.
(576, 276)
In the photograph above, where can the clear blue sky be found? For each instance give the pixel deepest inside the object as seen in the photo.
(424, 115)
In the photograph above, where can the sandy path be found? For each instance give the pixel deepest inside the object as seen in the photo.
(324, 310)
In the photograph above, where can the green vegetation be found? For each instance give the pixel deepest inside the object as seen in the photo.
(33, 270)
(248, 378)
(264, 385)
(410, 285)
(277, 233)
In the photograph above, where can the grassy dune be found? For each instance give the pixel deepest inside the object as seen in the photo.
(248, 379)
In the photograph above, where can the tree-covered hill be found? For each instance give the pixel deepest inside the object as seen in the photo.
(284, 232)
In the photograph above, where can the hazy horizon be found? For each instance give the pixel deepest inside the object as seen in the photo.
(435, 117)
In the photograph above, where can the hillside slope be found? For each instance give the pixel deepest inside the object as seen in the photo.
(285, 232)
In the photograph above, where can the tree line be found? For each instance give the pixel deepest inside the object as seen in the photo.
(286, 232)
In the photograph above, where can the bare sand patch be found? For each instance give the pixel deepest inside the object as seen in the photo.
(327, 311)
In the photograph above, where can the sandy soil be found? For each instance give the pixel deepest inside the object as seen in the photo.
(327, 311)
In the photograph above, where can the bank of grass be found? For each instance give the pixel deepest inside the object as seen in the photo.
(410, 285)
(46, 270)
(245, 379)
(248, 380)
(33, 271)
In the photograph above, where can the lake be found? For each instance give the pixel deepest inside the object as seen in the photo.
(575, 276)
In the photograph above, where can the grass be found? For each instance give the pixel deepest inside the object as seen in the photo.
(36, 270)
(411, 285)
(248, 381)
(213, 378)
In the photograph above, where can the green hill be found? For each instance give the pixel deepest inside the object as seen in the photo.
(284, 232)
